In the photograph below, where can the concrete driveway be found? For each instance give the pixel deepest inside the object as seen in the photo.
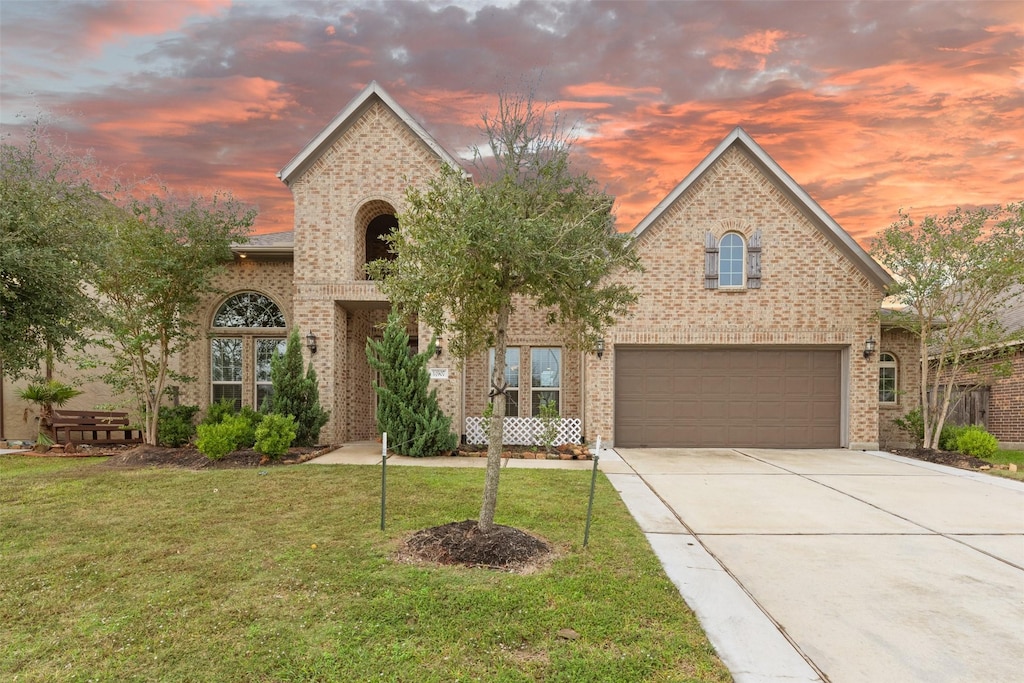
(837, 565)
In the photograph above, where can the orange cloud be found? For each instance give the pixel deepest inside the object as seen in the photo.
(120, 19)
(228, 100)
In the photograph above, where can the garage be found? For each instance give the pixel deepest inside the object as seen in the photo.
(735, 397)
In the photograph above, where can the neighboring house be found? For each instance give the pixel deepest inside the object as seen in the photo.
(754, 312)
(992, 399)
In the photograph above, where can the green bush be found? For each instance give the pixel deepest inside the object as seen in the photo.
(175, 426)
(252, 420)
(549, 420)
(275, 435)
(975, 441)
(949, 435)
(296, 393)
(219, 411)
(217, 440)
(407, 408)
(913, 425)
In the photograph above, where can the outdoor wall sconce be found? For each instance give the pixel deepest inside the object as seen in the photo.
(869, 347)
(437, 348)
(600, 348)
(311, 342)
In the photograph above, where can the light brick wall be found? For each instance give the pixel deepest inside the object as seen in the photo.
(272, 278)
(904, 346)
(363, 174)
(810, 294)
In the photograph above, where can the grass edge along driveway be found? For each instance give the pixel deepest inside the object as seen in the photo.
(282, 574)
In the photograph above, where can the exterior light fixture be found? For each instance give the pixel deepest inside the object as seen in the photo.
(600, 348)
(311, 342)
(869, 347)
(437, 348)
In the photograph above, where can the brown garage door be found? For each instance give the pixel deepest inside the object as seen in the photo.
(772, 398)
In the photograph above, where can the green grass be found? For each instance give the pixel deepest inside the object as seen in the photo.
(1005, 457)
(169, 575)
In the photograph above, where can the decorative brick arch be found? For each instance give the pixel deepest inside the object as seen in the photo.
(373, 219)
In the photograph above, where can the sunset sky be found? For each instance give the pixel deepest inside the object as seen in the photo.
(870, 106)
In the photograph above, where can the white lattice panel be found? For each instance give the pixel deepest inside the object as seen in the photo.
(524, 431)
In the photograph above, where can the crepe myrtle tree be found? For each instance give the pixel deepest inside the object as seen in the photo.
(953, 275)
(530, 231)
(162, 256)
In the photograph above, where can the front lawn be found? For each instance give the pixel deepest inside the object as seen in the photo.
(1005, 457)
(283, 574)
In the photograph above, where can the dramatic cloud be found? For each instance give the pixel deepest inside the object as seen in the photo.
(870, 106)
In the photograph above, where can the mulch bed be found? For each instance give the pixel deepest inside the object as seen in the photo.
(462, 543)
(950, 458)
(188, 457)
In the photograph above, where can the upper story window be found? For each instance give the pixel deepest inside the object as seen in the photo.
(732, 261)
(249, 309)
(887, 376)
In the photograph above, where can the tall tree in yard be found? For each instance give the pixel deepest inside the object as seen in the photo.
(49, 237)
(531, 231)
(162, 255)
(953, 275)
(296, 393)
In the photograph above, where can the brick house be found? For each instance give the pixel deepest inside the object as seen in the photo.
(754, 313)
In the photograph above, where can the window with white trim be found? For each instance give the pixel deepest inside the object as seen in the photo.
(226, 369)
(730, 260)
(266, 349)
(241, 346)
(511, 379)
(887, 375)
(545, 378)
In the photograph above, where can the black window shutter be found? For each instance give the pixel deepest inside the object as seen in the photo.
(754, 261)
(710, 261)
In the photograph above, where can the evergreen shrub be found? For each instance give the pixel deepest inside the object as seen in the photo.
(407, 410)
(296, 394)
(176, 425)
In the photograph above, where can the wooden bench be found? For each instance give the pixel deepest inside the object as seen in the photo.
(94, 427)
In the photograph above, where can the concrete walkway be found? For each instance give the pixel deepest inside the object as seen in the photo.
(838, 565)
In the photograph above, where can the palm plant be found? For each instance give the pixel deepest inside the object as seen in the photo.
(46, 395)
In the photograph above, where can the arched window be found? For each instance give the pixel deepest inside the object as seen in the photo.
(730, 260)
(376, 247)
(249, 309)
(887, 378)
(239, 355)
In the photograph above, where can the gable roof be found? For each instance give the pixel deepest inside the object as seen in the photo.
(839, 237)
(344, 120)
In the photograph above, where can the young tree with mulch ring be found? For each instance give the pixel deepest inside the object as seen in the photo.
(530, 228)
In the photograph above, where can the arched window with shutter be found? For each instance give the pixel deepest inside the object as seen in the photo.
(732, 262)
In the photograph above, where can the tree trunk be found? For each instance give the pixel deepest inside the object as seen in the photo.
(496, 429)
(925, 414)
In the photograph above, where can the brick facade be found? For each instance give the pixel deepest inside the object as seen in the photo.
(1005, 418)
(904, 347)
(810, 294)
(813, 293)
